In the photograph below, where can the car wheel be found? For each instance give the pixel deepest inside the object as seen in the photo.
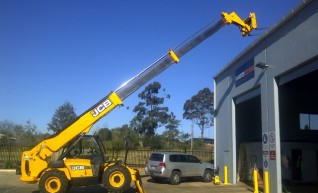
(207, 176)
(175, 178)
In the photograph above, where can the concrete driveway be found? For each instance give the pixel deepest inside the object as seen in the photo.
(9, 183)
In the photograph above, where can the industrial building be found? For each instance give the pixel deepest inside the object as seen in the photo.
(266, 105)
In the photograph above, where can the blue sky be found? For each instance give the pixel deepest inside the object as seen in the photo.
(79, 51)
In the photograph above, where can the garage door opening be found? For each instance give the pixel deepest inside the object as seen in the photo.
(248, 135)
(298, 106)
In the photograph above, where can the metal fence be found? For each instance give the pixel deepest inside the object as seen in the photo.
(11, 155)
(138, 157)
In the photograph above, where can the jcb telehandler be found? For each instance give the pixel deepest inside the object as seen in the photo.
(82, 161)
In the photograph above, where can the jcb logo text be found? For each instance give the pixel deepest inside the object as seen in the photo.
(78, 168)
(101, 107)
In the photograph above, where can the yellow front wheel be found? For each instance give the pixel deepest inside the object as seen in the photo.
(117, 179)
(53, 181)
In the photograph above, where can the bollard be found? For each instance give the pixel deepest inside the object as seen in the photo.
(266, 182)
(216, 180)
(226, 175)
(255, 177)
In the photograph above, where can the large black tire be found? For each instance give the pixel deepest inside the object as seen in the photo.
(117, 179)
(175, 178)
(53, 181)
(207, 176)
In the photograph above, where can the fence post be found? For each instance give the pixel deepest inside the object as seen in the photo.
(9, 153)
(113, 152)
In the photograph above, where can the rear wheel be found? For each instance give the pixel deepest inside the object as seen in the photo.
(53, 181)
(175, 178)
(116, 179)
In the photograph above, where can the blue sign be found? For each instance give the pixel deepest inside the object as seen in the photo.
(265, 138)
(265, 164)
(244, 73)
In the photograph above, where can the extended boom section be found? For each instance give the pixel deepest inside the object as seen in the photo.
(172, 57)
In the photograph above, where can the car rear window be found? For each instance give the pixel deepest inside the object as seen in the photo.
(156, 157)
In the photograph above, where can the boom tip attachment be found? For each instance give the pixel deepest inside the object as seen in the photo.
(247, 25)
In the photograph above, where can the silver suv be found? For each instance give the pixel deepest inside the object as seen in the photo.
(173, 166)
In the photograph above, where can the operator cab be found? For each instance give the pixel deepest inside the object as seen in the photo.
(84, 147)
(84, 156)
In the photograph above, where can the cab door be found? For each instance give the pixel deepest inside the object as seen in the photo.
(86, 150)
(93, 152)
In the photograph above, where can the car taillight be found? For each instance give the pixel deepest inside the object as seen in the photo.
(162, 164)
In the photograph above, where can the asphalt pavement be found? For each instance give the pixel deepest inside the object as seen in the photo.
(9, 183)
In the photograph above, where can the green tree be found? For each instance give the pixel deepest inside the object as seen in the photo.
(104, 134)
(25, 135)
(6, 131)
(150, 112)
(63, 116)
(171, 134)
(30, 132)
(154, 142)
(184, 137)
(200, 109)
(119, 135)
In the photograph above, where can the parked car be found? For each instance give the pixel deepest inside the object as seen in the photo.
(174, 166)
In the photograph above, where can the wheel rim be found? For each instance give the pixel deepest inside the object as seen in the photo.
(176, 178)
(52, 184)
(116, 179)
(208, 176)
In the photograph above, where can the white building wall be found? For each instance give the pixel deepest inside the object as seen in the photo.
(293, 41)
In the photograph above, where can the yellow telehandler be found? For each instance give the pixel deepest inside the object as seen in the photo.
(82, 161)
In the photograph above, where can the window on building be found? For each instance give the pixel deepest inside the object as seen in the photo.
(308, 121)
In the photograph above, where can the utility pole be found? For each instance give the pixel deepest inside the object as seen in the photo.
(192, 136)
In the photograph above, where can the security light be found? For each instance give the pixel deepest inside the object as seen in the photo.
(261, 65)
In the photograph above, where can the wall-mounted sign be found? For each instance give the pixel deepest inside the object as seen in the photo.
(244, 73)
(265, 164)
(265, 144)
(272, 137)
(265, 141)
(272, 145)
(272, 154)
